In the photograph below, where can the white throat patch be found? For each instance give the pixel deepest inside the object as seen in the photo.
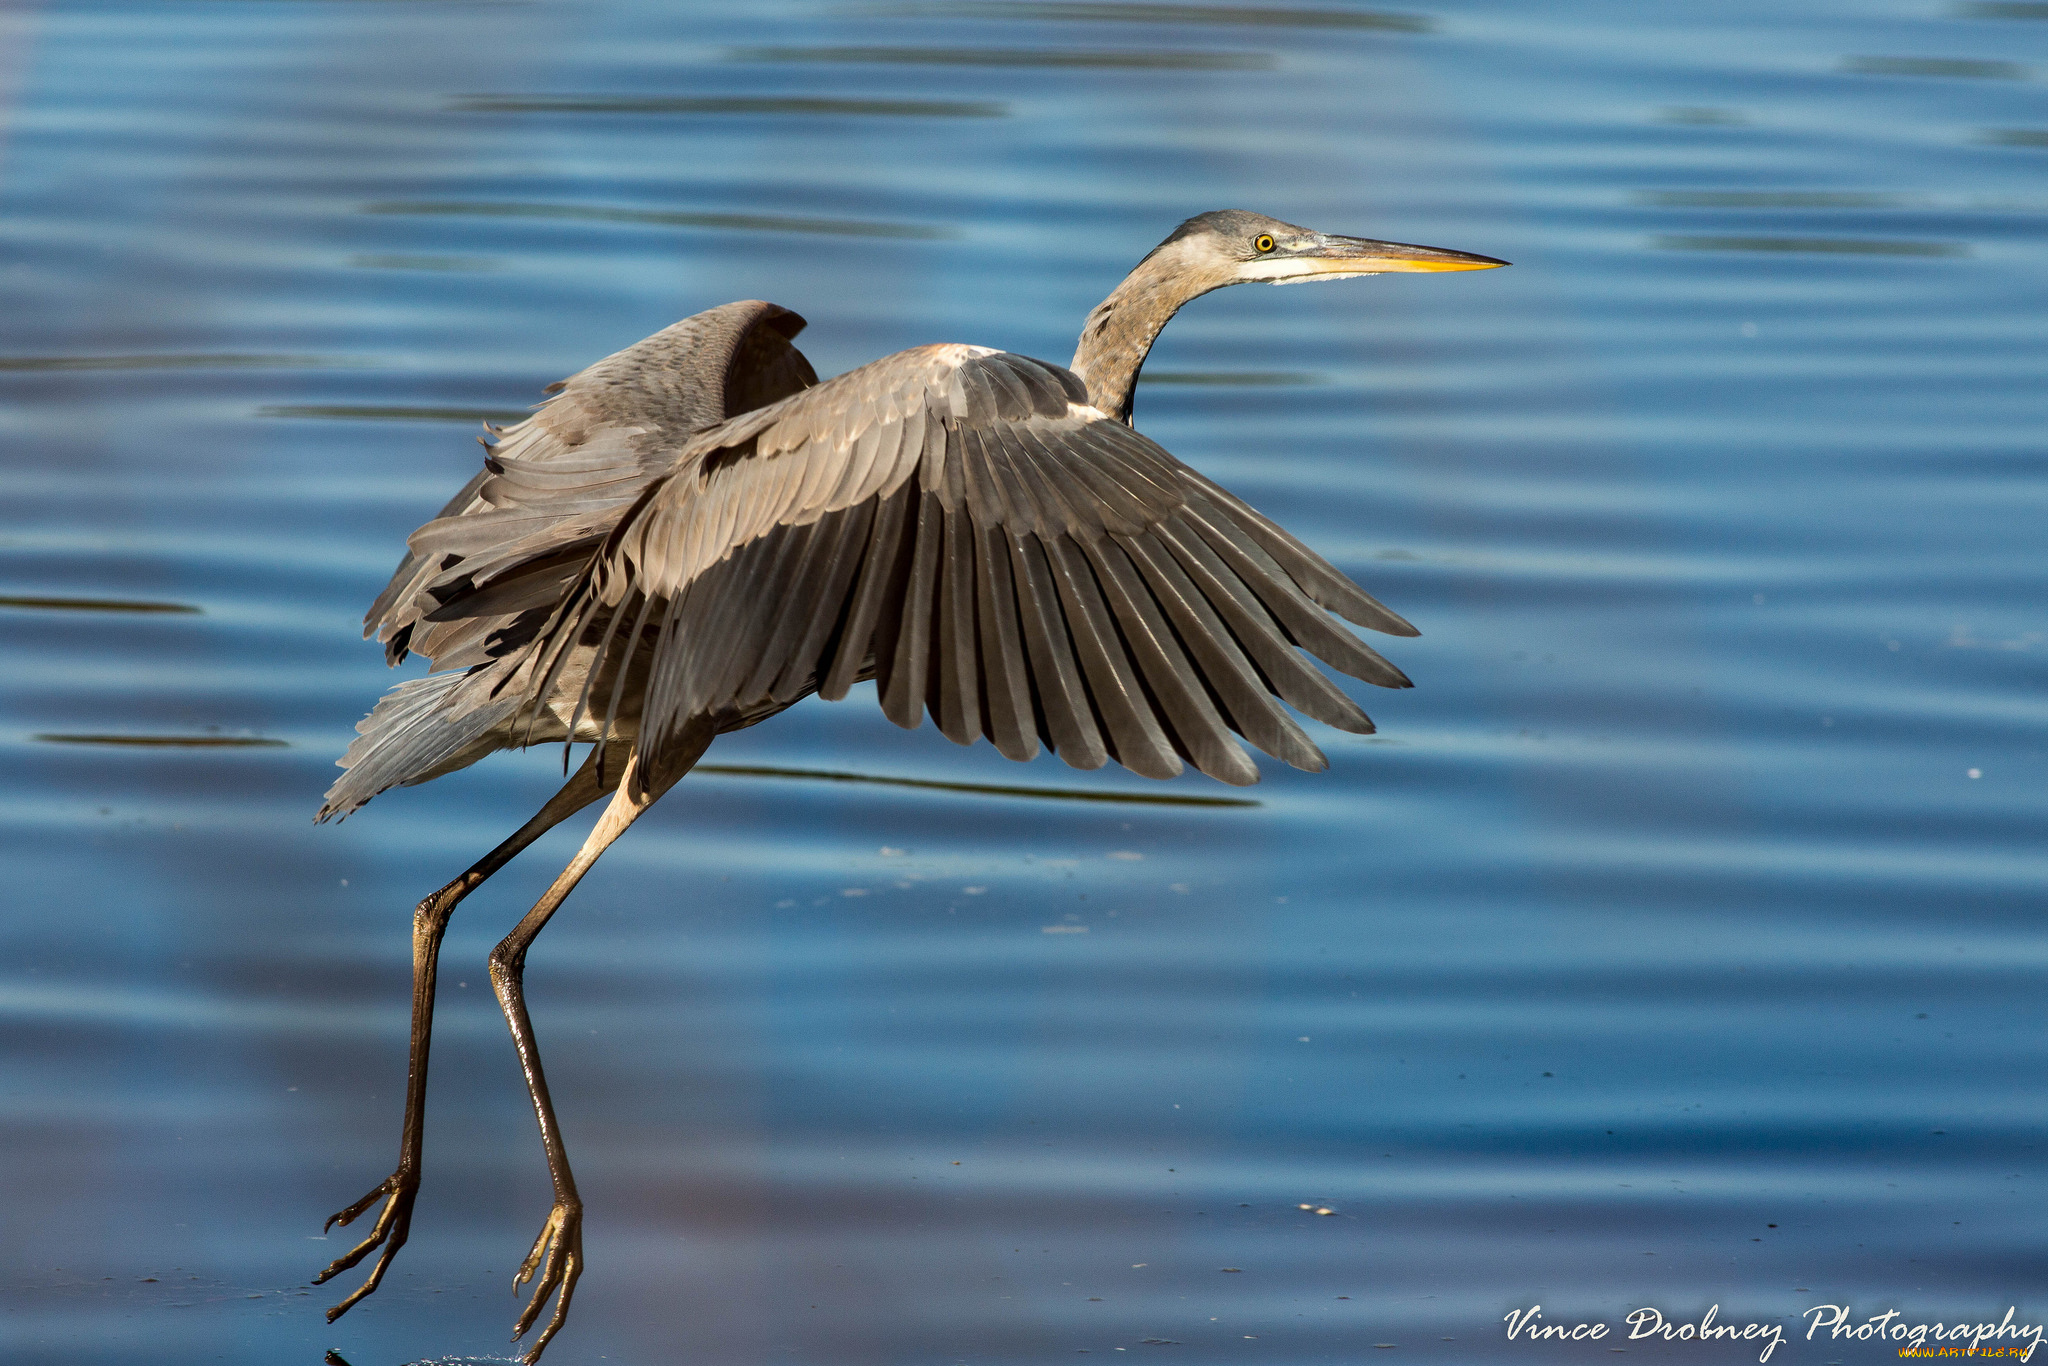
(1295, 270)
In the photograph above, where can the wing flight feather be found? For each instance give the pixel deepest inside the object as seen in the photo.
(956, 524)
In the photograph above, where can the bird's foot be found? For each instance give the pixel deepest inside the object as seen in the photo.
(394, 1221)
(558, 1256)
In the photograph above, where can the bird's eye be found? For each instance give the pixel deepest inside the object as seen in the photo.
(1264, 242)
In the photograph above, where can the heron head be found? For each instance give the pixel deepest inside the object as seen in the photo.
(1235, 247)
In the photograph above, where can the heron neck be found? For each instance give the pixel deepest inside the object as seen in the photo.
(1120, 331)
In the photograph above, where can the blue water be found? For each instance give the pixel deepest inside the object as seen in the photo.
(1676, 943)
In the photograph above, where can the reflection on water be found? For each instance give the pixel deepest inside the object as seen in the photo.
(95, 604)
(1937, 66)
(1262, 379)
(1121, 59)
(1087, 11)
(399, 261)
(1840, 246)
(165, 741)
(1057, 794)
(1772, 199)
(376, 412)
(1701, 115)
(226, 361)
(740, 222)
(732, 104)
(1677, 942)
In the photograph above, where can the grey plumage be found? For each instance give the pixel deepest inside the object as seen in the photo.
(481, 577)
(694, 534)
(745, 556)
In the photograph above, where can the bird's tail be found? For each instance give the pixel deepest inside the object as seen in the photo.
(416, 732)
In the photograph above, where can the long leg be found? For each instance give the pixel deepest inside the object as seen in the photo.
(558, 1252)
(429, 923)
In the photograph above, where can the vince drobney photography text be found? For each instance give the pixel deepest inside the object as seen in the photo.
(1824, 1322)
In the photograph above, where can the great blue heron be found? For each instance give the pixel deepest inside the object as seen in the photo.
(694, 534)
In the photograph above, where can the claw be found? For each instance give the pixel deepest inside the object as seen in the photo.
(348, 1216)
(558, 1256)
(394, 1222)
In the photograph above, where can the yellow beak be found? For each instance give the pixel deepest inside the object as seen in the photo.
(1330, 255)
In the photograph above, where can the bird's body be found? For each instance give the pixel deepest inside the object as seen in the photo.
(694, 535)
(474, 579)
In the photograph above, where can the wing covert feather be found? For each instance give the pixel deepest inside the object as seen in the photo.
(955, 524)
(588, 451)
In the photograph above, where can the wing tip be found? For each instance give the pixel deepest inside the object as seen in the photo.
(1307, 757)
(1234, 775)
(1085, 758)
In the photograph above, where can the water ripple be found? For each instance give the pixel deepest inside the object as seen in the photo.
(202, 361)
(1059, 794)
(588, 213)
(163, 741)
(1092, 11)
(54, 604)
(1121, 59)
(1695, 887)
(1955, 67)
(1834, 246)
(726, 104)
(376, 412)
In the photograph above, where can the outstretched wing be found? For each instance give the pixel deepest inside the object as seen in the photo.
(481, 578)
(591, 449)
(958, 524)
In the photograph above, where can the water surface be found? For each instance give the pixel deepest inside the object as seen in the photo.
(1676, 941)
